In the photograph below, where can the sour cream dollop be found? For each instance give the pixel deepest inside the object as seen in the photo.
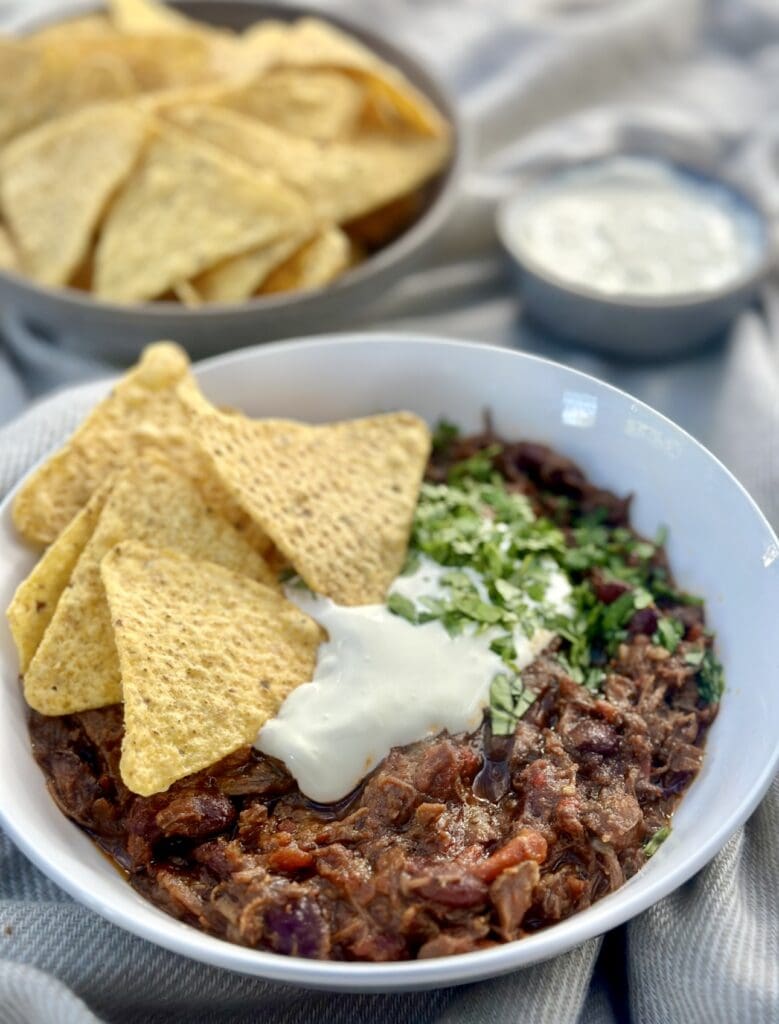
(381, 681)
(635, 227)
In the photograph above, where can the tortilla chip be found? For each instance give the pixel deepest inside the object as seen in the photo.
(388, 99)
(187, 294)
(35, 600)
(316, 42)
(102, 77)
(377, 228)
(92, 62)
(143, 413)
(341, 181)
(8, 258)
(321, 43)
(56, 181)
(206, 657)
(314, 104)
(145, 17)
(319, 262)
(241, 276)
(62, 33)
(187, 207)
(24, 92)
(75, 667)
(337, 500)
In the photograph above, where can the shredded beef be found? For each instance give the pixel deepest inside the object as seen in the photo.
(414, 864)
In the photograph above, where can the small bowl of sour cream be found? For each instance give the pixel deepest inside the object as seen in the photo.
(634, 255)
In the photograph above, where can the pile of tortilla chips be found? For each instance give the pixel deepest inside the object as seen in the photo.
(146, 156)
(164, 519)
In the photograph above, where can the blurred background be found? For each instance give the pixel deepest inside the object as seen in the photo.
(538, 85)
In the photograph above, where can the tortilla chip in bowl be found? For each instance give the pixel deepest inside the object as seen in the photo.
(282, 133)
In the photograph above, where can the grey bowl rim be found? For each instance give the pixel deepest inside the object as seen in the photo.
(747, 282)
(429, 222)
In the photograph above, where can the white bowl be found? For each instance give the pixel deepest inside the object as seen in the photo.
(720, 546)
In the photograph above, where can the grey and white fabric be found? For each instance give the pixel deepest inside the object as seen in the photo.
(541, 81)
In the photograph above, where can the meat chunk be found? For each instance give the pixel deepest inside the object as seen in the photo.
(195, 815)
(512, 895)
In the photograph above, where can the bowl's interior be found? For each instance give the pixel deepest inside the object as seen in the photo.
(720, 546)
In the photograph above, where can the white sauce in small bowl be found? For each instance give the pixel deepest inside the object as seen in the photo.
(637, 228)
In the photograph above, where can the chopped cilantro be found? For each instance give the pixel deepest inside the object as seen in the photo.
(402, 606)
(654, 843)
(694, 657)
(500, 556)
(509, 700)
(505, 647)
(711, 679)
(643, 550)
(444, 434)
(477, 467)
(669, 633)
(412, 563)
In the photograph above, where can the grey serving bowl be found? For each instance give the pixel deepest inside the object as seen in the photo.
(628, 325)
(76, 322)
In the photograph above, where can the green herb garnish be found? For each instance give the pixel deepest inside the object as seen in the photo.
(669, 633)
(656, 841)
(403, 606)
(711, 679)
(509, 700)
(478, 467)
(444, 434)
(501, 558)
(694, 657)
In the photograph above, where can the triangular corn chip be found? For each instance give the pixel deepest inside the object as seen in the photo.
(56, 181)
(318, 46)
(187, 207)
(206, 658)
(35, 600)
(143, 413)
(318, 104)
(87, 28)
(315, 265)
(337, 500)
(25, 91)
(145, 17)
(8, 259)
(75, 666)
(241, 276)
(342, 180)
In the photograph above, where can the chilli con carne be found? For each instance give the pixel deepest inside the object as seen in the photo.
(456, 842)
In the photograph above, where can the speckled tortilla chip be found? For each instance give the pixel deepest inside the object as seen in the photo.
(75, 666)
(316, 264)
(143, 413)
(341, 181)
(8, 259)
(56, 181)
(317, 104)
(206, 657)
(387, 98)
(35, 600)
(187, 207)
(241, 276)
(337, 500)
(144, 17)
